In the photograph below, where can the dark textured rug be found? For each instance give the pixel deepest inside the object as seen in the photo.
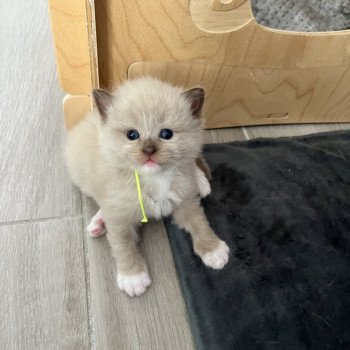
(283, 206)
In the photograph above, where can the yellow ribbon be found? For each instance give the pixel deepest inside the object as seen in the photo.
(144, 217)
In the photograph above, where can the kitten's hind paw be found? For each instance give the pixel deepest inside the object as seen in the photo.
(134, 284)
(97, 226)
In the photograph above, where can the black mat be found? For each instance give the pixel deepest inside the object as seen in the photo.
(283, 206)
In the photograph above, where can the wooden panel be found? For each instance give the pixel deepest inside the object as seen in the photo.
(75, 108)
(226, 5)
(213, 16)
(246, 96)
(42, 289)
(164, 31)
(156, 320)
(192, 31)
(75, 41)
(33, 181)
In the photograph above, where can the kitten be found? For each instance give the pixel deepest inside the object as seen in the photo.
(155, 128)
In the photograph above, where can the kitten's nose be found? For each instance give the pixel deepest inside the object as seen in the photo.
(149, 149)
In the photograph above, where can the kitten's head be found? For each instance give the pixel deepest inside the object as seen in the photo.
(149, 125)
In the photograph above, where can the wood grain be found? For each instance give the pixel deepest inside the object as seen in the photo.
(246, 96)
(75, 42)
(191, 31)
(33, 181)
(213, 16)
(42, 289)
(301, 71)
(156, 320)
(226, 5)
(164, 31)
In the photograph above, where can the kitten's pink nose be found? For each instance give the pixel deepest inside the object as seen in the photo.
(148, 150)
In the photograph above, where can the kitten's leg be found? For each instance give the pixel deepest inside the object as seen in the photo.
(203, 165)
(203, 175)
(133, 277)
(203, 183)
(97, 227)
(213, 251)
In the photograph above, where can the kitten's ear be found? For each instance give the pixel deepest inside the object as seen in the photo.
(196, 97)
(103, 100)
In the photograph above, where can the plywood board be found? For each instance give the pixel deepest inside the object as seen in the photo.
(75, 108)
(253, 96)
(165, 31)
(301, 71)
(72, 24)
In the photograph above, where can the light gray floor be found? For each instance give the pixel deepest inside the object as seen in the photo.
(57, 287)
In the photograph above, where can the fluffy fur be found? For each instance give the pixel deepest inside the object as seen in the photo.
(101, 161)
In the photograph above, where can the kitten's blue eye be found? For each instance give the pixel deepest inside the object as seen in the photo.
(166, 134)
(132, 135)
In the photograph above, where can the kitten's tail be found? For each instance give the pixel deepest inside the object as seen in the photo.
(202, 164)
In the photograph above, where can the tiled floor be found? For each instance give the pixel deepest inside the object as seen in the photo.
(57, 287)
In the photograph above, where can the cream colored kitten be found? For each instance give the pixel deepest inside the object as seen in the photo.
(155, 128)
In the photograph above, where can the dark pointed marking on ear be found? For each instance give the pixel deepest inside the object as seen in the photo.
(196, 97)
(103, 100)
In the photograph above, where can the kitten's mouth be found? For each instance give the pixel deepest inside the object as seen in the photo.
(150, 162)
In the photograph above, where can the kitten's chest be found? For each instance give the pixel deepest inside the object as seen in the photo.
(160, 196)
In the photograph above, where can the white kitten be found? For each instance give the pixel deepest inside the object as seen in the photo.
(154, 128)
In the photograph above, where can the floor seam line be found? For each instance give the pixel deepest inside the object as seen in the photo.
(38, 220)
(90, 313)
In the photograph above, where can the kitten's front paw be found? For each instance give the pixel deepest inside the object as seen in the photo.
(135, 284)
(217, 258)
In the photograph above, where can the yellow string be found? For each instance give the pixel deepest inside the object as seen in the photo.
(144, 217)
